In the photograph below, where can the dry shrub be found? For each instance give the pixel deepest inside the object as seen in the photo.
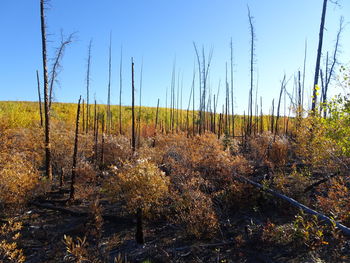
(116, 150)
(85, 173)
(314, 147)
(293, 185)
(266, 151)
(211, 161)
(140, 185)
(19, 180)
(202, 154)
(62, 146)
(195, 211)
(9, 236)
(278, 153)
(27, 142)
(62, 143)
(334, 198)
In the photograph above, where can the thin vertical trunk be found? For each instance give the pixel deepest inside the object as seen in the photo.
(95, 117)
(48, 162)
(272, 115)
(109, 116)
(303, 87)
(39, 96)
(318, 59)
(250, 106)
(75, 153)
(261, 117)
(103, 125)
(139, 114)
(133, 138)
(83, 110)
(139, 227)
(120, 90)
(279, 105)
(232, 106)
(88, 87)
(157, 113)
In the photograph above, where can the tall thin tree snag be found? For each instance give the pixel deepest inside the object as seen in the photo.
(57, 63)
(283, 86)
(318, 59)
(133, 138)
(252, 47)
(261, 117)
(304, 69)
(140, 104)
(232, 103)
(330, 70)
(75, 153)
(272, 115)
(109, 116)
(88, 87)
(48, 162)
(157, 117)
(39, 97)
(120, 89)
(203, 70)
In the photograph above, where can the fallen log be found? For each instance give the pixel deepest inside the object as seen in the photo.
(109, 217)
(326, 219)
(324, 180)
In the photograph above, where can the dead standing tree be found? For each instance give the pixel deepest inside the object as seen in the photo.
(75, 153)
(203, 70)
(318, 59)
(57, 63)
(109, 115)
(48, 161)
(252, 48)
(88, 86)
(120, 89)
(133, 138)
(329, 71)
(39, 95)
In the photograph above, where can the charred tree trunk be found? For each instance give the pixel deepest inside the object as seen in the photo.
(48, 163)
(109, 115)
(87, 88)
(318, 59)
(75, 153)
(39, 96)
(120, 90)
(139, 227)
(133, 138)
(250, 103)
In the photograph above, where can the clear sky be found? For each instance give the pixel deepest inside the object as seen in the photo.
(158, 31)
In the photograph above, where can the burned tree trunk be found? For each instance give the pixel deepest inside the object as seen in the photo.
(39, 96)
(87, 88)
(75, 153)
(133, 138)
(318, 59)
(48, 162)
(120, 90)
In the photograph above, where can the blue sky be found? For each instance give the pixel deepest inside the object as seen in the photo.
(158, 31)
